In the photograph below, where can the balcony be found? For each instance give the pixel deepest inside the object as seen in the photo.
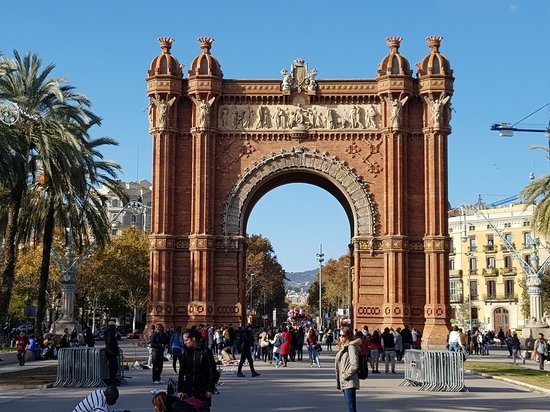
(503, 247)
(472, 249)
(455, 273)
(489, 272)
(489, 249)
(509, 271)
(501, 298)
(456, 298)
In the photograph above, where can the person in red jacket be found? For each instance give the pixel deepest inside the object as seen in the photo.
(375, 349)
(285, 347)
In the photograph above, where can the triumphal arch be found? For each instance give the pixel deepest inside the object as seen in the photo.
(378, 145)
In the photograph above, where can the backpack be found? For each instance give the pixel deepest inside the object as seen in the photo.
(363, 371)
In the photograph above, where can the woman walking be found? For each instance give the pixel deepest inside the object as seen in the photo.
(312, 348)
(347, 365)
(375, 347)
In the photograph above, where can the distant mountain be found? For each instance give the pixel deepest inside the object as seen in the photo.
(300, 280)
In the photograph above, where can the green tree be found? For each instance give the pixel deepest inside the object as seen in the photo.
(265, 288)
(52, 166)
(538, 191)
(118, 275)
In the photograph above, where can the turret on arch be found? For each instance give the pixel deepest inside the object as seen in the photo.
(378, 145)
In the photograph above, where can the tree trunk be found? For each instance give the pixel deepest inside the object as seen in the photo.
(47, 241)
(9, 248)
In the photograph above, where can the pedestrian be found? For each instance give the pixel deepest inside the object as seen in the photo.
(99, 401)
(22, 343)
(407, 336)
(388, 345)
(329, 339)
(112, 352)
(198, 375)
(516, 348)
(89, 337)
(398, 344)
(347, 365)
(541, 350)
(300, 339)
(149, 349)
(277, 342)
(286, 346)
(74, 338)
(176, 347)
(312, 342)
(453, 339)
(375, 346)
(246, 342)
(159, 340)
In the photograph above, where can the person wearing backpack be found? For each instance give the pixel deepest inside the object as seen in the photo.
(347, 365)
(176, 347)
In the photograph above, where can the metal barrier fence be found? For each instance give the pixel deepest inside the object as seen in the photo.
(434, 370)
(84, 367)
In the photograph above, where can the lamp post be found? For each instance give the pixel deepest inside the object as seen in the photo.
(320, 259)
(469, 254)
(69, 266)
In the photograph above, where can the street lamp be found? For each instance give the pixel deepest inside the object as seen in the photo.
(69, 266)
(320, 259)
(469, 254)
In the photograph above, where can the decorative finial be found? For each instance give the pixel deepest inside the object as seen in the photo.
(206, 44)
(394, 43)
(166, 44)
(434, 42)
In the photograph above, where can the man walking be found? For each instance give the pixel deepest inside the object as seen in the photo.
(246, 341)
(159, 340)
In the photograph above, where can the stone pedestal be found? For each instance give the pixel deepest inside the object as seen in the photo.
(67, 320)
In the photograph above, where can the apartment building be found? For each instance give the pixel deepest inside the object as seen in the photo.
(485, 278)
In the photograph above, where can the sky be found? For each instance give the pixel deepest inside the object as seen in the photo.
(498, 49)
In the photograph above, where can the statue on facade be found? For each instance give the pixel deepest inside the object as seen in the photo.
(203, 107)
(436, 108)
(371, 117)
(298, 78)
(162, 108)
(396, 106)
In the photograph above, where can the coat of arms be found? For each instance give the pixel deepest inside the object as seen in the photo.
(298, 78)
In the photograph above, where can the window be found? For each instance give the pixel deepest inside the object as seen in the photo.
(490, 243)
(456, 290)
(526, 240)
(490, 262)
(507, 225)
(526, 223)
(508, 262)
(471, 228)
(473, 289)
(473, 244)
(114, 232)
(509, 289)
(491, 289)
(472, 264)
(451, 264)
(475, 314)
(508, 237)
(527, 259)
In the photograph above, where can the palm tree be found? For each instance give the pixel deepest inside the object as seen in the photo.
(539, 190)
(51, 161)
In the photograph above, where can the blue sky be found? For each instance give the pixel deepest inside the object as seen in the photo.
(497, 48)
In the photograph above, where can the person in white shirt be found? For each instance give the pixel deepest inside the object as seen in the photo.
(99, 401)
(454, 339)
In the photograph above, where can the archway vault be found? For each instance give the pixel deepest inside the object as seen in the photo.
(308, 166)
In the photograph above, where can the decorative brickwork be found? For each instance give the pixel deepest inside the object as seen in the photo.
(378, 145)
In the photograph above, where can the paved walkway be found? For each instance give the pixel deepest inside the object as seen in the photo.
(299, 388)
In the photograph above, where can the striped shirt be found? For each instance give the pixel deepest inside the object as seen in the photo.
(95, 402)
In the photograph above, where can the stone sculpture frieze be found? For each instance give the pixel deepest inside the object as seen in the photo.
(279, 117)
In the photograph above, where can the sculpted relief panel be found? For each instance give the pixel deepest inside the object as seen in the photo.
(279, 117)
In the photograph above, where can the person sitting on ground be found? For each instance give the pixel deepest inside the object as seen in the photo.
(100, 401)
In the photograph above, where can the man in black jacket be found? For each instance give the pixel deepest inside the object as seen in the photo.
(198, 374)
(246, 340)
(112, 352)
(159, 339)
